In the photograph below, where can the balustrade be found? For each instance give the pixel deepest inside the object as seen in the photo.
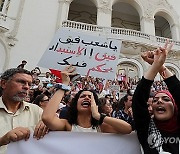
(123, 33)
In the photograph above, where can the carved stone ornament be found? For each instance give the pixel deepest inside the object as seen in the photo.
(172, 55)
(104, 2)
(163, 3)
(105, 6)
(11, 41)
(149, 12)
(131, 44)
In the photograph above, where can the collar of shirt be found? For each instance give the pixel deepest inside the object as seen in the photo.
(24, 106)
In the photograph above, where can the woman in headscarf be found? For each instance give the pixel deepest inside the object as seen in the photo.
(161, 132)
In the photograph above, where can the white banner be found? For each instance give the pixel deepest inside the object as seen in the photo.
(78, 143)
(92, 55)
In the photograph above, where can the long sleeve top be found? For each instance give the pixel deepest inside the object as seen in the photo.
(142, 117)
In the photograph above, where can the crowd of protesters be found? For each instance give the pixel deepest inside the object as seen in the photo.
(44, 83)
(114, 106)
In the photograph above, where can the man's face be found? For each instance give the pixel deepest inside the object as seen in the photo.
(47, 74)
(16, 89)
(129, 101)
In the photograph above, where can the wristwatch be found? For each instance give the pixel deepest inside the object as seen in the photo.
(62, 87)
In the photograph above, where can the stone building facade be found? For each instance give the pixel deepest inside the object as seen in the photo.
(27, 27)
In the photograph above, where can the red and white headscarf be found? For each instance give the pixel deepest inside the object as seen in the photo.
(170, 125)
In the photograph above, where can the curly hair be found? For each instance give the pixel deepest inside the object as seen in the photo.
(73, 112)
(8, 74)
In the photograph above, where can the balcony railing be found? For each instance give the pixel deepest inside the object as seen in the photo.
(82, 26)
(121, 33)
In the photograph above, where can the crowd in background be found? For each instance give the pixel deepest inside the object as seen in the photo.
(118, 92)
(62, 101)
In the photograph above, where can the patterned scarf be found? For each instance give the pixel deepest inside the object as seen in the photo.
(155, 139)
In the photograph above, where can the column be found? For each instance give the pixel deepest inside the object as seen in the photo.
(175, 32)
(104, 17)
(147, 25)
(62, 12)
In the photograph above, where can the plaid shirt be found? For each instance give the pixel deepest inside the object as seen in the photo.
(124, 116)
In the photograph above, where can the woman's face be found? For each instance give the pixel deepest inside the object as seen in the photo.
(107, 108)
(163, 108)
(44, 102)
(84, 101)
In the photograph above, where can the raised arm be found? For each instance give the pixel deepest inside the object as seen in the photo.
(139, 103)
(49, 116)
(156, 59)
(173, 85)
(140, 109)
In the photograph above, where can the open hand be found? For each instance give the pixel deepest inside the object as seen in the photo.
(69, 70)
(94, 108)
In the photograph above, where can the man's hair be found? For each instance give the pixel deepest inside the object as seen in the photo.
(8, 74)
(12, 71)
(24, 61)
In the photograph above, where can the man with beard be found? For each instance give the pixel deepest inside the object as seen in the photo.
(18, 118)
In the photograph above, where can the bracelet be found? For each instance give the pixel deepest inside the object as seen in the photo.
(62, 87)
(102, 116)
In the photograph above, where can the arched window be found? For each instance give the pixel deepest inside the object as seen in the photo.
(162, 27)
(125, 19)
(83, 11)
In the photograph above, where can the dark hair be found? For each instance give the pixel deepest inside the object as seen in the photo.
(67, 98)
(8, 74)
(24, 61)
(73, 112)
(12, 71)
(108, 95)
(130, 92)
(102, 102)
(38, 99)
(121, 104)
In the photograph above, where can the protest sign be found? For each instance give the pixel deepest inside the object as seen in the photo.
(91, 55)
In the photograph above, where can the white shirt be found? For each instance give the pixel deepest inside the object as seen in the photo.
(77, 128)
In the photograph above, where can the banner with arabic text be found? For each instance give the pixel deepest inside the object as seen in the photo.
(91, 55)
